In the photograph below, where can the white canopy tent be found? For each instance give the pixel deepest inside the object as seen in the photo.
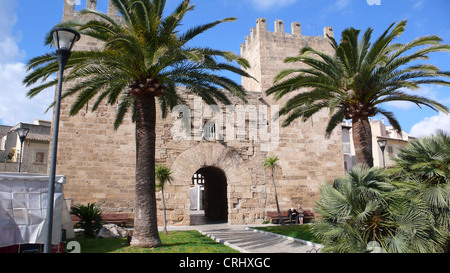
(23, 209)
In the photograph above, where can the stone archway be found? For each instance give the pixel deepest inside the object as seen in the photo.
(219, 157)
(213, 197)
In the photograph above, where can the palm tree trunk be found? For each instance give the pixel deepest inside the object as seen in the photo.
(362, 140)
(276, 200)
(145, 223)
(164, 211)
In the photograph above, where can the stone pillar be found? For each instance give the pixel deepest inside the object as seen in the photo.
(328, 31)
(279, 26)
(296, 28)
(91, 4)
(111, 8)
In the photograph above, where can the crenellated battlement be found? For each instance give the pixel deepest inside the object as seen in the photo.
(70, 12)
(260, 32)
(266, 50)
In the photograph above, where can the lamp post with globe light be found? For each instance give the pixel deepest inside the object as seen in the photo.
(382, 144)
(22, 133)
(64, 40)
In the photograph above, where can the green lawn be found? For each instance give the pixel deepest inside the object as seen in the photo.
(175, 242)
(302, 232)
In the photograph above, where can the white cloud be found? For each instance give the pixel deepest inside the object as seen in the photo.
(429, 125)
(9, 51)
(337, 7)
(270, 4)
(341, 4)
(424, 91)
(418, 5)
(404, 105)
(15, 106)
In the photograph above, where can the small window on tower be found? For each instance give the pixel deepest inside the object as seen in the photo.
(209, 131)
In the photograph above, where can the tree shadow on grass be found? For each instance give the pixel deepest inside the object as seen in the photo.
(174, 242)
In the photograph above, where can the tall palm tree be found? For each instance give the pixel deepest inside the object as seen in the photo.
(144, 58)
(163, 174)
(271, 162)
(355, 82)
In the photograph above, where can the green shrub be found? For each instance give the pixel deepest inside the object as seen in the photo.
(365, 208)
(90, 218)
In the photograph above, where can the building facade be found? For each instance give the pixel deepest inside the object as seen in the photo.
(34, 150)
(394, 142)
(217, 163)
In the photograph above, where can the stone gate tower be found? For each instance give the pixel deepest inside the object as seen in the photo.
(222, 160)
(267, 50)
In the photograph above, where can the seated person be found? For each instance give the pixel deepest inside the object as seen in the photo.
(300, 214)
(293, 213)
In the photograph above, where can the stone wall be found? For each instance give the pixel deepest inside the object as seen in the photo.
(99, 163)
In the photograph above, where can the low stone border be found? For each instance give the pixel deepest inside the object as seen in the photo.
(315, 245)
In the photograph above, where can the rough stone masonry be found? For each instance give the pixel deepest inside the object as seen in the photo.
(224, 149)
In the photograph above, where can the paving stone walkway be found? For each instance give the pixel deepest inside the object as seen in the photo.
(247, 240)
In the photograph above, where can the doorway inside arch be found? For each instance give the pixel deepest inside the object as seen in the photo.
(209, 196)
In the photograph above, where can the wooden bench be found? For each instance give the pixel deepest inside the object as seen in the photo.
(308, 216)
(275, 217)
(121, 219)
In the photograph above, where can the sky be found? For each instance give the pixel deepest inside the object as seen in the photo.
(24, 23)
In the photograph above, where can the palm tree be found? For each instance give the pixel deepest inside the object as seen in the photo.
(144, 58)
(163, 174)
(365, 208)
(271, 162)
(427, 160)
(358, 79)
(90, 216)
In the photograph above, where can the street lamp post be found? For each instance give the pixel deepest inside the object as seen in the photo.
(22, 133)
(382, 144)
(64, 40)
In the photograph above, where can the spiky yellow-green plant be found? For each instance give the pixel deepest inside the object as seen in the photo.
(163, 175)
(271, 162)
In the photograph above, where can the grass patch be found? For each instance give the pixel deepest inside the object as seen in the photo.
(302, 232)
(190, 241)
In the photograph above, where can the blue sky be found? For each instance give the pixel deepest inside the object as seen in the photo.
(23, 24)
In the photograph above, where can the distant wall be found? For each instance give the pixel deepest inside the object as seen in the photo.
(30, 168)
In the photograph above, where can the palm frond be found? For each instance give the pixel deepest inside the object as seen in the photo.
(143, 48)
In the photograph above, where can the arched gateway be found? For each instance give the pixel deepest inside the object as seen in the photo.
(105, 158)
(224, 172)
